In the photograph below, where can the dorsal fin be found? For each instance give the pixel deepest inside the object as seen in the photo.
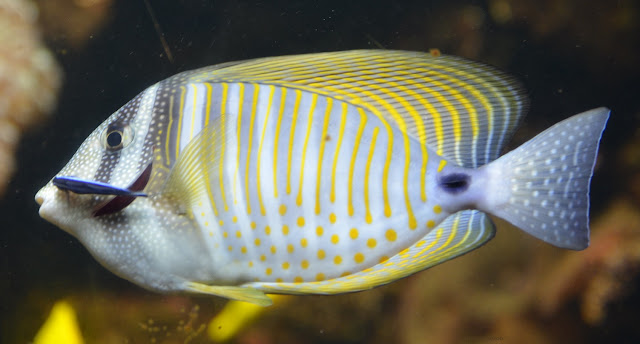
(463, 110)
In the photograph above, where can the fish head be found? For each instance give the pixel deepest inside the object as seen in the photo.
(105, 175)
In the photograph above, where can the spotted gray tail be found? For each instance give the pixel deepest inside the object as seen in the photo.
(543, 186)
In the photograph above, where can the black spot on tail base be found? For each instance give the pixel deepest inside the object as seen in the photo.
(454, 183)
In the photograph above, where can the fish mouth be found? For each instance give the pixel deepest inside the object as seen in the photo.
(123, 196)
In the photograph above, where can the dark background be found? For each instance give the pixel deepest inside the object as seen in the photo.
(571, 55)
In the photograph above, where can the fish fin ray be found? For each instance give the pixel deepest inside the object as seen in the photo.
(185, 181)
(542, 186)
(457, 234)
(463, 110)
(245, 294)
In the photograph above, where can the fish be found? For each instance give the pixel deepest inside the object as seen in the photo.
(319, 173)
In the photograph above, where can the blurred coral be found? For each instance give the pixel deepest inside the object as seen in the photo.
(600, 275)
(29, 79)
(73, 22)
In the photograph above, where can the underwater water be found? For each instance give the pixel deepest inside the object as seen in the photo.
(570, 55)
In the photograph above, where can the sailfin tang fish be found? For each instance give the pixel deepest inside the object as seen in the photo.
(318, 174)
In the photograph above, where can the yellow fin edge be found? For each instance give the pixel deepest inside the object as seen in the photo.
(245, 294)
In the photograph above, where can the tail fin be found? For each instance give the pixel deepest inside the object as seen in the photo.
(543, 186)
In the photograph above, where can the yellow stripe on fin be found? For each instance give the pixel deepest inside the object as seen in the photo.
(245, 294)
(457, 234)
(488, 103)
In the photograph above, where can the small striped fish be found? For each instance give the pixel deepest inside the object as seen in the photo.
(321, 173)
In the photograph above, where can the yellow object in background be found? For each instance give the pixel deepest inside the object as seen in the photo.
(60, 327)
(237, 315)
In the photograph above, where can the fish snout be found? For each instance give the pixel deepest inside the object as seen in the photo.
(46, 199)
(40, 195)
(39, 199)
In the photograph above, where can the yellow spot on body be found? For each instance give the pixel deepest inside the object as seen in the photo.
(285, 265)
(202, 214)
(335, 239)
(267, 230)
(253, 225)
(230, 248)
(234, 219)
(300, 221)
(358, 257)
(304, 264)
(279, 280)
(273, 249)
(353, 233)
(250, 264)
(303, 242)
(221, 223)
(431, 223)
(268, 271)
(437, 209)
(263, 257)
(337, 260)
(391, 235)
(210, 233)
(206, 223)
(298, 279)
(383, 259)
(321, 254)
(345, 274)
(243, 249)
(285, 229)
(371, 243)
(225, 234)
(290, 248)
(332, 218)
(320, 277)
(319, 231)
(283, 209)
(257, 241)
(238, 234)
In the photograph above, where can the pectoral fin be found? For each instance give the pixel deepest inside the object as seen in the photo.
(245, 294)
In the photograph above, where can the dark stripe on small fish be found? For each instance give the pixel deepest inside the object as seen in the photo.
(81, 186)
(120, 202)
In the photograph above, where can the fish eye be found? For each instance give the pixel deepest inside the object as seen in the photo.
(116, 137)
